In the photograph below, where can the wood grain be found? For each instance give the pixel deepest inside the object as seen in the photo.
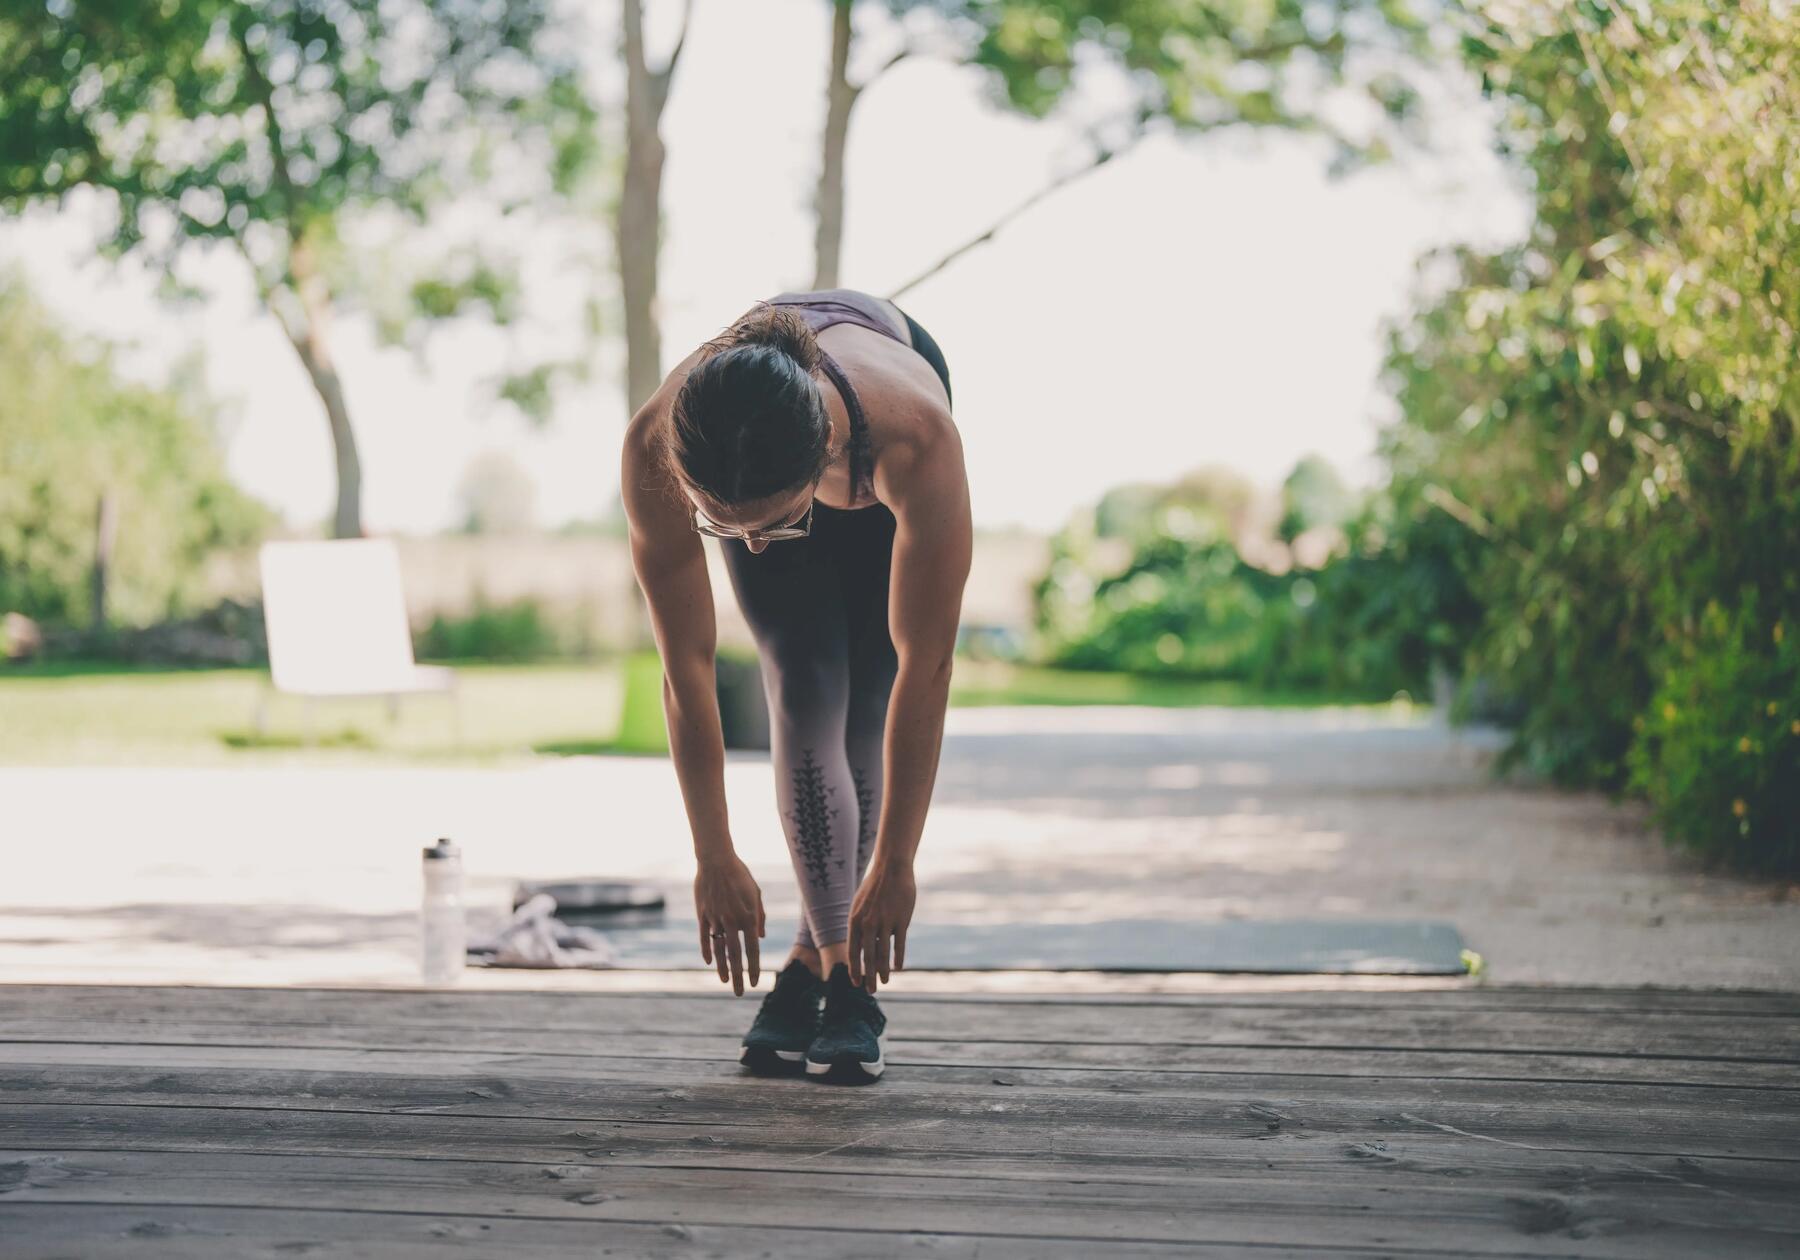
(200, 1122)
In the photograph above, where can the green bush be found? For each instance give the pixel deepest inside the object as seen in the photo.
(72, 429)
(1719, 750)
(1612, 409)
(1382, 618)
(1368, 624)
(519, 630)
(1180, 607)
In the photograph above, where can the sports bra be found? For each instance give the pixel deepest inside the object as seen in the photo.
(821, 308)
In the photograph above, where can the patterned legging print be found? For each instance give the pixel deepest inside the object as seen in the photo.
(865, 814)
(810, 822)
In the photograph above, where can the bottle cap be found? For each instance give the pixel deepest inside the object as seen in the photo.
(442, 849)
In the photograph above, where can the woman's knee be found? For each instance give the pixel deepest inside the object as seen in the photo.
(872, 675)
(806, 687)
(865, 717)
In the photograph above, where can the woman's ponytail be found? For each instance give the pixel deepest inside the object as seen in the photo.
(777, 327)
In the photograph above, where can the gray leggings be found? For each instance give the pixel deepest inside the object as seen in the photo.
(818, 609)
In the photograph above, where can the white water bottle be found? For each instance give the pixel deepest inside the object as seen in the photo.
(444, 948)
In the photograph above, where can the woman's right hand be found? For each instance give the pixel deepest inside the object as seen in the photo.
(729, 906)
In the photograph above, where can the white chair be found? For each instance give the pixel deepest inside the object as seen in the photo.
(336, 621)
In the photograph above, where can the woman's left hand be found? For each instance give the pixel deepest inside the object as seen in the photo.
(878, 920)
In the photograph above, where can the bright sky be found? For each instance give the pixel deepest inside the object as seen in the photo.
(1193, 302)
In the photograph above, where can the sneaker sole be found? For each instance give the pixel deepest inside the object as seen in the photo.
(850, 1070)
(767, 1061)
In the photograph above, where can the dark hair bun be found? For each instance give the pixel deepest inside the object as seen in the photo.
(778, 328)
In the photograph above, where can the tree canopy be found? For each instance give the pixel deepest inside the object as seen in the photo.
(259, 122)
(263, 124)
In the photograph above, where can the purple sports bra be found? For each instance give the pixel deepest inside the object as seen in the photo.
(821, 308)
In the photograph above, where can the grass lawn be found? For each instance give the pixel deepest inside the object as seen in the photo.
(87, 715)
(984, 682)
(83, 713)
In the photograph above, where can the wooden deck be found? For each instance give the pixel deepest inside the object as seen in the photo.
(231, 1122)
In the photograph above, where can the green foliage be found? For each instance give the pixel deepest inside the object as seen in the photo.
(1182, 606)
(1612, 410)
(235, 114)
(1369, 623)
(1314, 496)
(312, 138)
(1211, 499)
(479, 286)
(1719, 750)
(72, 429)
(1200, 66)
(1390, 615)
(513, 631)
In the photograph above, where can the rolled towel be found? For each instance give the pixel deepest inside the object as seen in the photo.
(535, 937)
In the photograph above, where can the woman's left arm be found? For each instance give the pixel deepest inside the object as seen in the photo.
(933, 544)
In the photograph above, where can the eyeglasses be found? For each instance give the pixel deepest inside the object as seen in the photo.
(800, 528)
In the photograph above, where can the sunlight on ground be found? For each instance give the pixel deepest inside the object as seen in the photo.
(308, 872)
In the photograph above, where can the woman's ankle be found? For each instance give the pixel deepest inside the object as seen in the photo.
(809, 956)
(831, 955)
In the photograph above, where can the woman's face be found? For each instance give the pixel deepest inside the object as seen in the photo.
(774, 512)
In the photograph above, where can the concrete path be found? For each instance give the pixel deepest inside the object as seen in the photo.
(308, 873)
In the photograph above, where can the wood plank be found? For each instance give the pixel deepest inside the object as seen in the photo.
(1602, 1123)
(1423, 1155)
(1696, 1003)
(1265, 1060)
(108, 1231)
(1578, 1117)
(1437, 995)
(1606, 1220)
(1657, 1098)
(1719, 1038)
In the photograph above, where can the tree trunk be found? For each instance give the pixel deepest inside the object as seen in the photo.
(311, 341)
(828, 204)
(640, 205)
(639, 232)
(313, 345)
(639, 229)
(106, 528)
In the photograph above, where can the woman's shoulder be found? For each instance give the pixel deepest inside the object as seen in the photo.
(904, 400)
(894, 380)
(645, 430)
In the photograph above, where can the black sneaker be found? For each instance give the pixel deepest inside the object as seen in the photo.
(852, 1034)
(786, 1023)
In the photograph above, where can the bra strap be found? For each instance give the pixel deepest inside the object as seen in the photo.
(859, 425)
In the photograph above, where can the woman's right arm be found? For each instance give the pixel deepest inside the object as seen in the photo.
(669, 560)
